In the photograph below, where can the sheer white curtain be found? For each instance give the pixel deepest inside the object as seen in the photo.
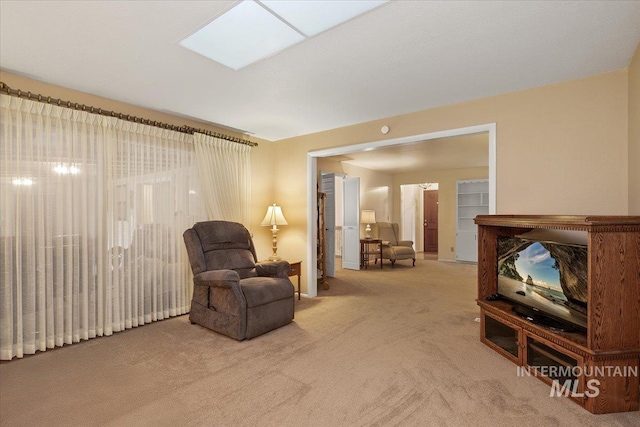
(92, 212)
(224, 168)
(156, 196)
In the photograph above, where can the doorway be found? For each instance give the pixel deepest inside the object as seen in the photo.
(312, 180)
(419, 216)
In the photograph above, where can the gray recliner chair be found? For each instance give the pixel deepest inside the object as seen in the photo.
(233, 293)
(392, 248)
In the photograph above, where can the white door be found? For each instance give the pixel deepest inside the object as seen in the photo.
(351, 227)
(327, 186)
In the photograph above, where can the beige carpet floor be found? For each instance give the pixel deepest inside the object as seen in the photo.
(391, 347)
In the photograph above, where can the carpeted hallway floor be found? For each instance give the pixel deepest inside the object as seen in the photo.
(391, 347)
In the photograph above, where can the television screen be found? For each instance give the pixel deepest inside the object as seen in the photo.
(548, 277)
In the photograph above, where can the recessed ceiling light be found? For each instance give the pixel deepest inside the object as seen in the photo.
(252, 30)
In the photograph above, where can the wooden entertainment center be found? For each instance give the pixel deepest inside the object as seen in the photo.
(599, 367)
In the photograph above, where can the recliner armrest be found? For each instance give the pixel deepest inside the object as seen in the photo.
(273, 269)
(217, 278)
(227, 297)
(405, 243)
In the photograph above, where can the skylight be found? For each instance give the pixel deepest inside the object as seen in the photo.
(254, 30)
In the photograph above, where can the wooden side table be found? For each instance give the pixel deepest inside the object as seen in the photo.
(295, 269)
(366, 250)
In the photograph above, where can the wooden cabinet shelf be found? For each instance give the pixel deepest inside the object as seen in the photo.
(322, 242)
(602, 363)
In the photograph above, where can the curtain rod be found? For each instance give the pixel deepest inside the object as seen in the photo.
(75, 106)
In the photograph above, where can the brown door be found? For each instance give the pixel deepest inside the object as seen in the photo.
(431, 221)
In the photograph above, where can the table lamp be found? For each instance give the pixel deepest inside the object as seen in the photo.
(368, 217)
(274, 217)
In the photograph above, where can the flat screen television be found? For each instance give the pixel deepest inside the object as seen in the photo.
(547, 280)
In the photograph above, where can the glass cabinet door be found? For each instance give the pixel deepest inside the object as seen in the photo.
(552, 363)
(502, 336)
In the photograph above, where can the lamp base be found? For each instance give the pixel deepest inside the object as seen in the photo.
(367, 231)
(274, 258)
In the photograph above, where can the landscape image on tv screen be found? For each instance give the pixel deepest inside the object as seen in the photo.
(548, 276)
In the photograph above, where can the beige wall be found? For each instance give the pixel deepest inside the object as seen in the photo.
(376, 190)
(561, 149)
(329, 165)
(446, 180)
(261, 156)
(634, 134)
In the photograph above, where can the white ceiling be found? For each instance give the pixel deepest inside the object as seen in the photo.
(402, 57)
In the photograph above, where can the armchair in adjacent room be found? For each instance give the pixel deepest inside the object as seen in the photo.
(233, 293)
(392, 248)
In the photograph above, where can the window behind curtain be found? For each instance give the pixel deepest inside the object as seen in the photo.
(92, 214)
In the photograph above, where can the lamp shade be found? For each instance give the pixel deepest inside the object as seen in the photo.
(274, 216)
(368, 217)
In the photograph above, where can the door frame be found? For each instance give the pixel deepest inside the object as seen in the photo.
(312, 181)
